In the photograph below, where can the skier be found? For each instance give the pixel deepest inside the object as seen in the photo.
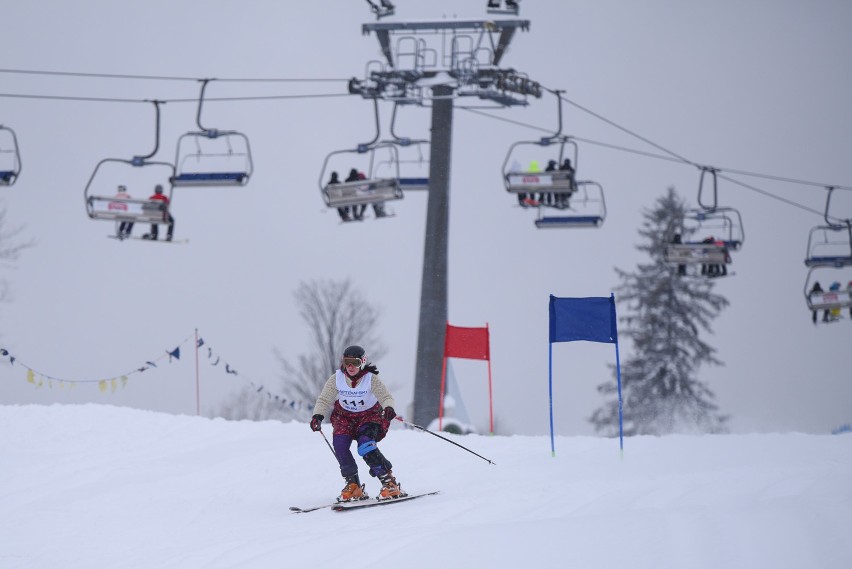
(362, 411)
(817, 290)
(833, 313)
(342, 211)
(160, 197)
(125, 227)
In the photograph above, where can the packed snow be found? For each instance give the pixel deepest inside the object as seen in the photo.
(94, 486)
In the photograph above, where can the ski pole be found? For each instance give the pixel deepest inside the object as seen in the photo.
(328, 443)
(418, 427)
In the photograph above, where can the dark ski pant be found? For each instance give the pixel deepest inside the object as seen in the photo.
(155, 230)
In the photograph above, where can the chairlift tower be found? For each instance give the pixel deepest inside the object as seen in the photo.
(432, 64)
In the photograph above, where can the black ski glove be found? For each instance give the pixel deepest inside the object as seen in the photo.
(316, 422)
(388, 414)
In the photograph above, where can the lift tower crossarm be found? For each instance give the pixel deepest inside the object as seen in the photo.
(506, 28)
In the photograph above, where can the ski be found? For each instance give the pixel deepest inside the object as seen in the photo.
(174, 241)
(298, 510)
(344, 506)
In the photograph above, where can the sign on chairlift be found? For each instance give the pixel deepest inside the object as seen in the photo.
(362, 192)
(830, 299)
(112, 209)
(554, 181)
(705, 253)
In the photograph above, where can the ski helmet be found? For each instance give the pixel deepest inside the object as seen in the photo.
(355, 353)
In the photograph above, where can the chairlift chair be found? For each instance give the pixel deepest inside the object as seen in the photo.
(408, 161)
(519, 179)
(10, 156)
(830, 245)
(110, 173)
(212, 157)
(522, 180)
(829, 257)
(497, 8)
(586, 208)
(827, 299)
(408, 158)
(707, 237)
(380, 184)
(381, 8)
(373, 189)
(140, 175)
(709, 233)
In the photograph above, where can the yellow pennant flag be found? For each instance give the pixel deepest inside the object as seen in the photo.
(30, 376)
(112, 384)
(102, 385)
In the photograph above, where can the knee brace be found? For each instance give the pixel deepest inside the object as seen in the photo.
(374, 458)
(366, 448)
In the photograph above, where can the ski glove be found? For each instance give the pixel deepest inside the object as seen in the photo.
(388, 414)
(316, 422)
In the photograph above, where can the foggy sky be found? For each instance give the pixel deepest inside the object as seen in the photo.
(761, 87)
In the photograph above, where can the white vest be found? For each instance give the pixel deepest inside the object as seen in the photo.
(355, 399)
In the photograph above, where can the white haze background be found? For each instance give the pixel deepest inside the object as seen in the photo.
(759, 86)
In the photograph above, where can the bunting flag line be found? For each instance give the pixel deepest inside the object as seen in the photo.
(256, 386)
(111, 384)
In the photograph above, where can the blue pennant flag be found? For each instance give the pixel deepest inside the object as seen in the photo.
(199, 343)
(174, 354)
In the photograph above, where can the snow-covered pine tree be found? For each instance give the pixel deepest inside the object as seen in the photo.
(665, 314)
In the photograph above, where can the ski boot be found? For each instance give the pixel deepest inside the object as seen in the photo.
(390, 488)
(353, 491)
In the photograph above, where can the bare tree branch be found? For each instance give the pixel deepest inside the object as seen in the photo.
(9, 250)
(337, 315)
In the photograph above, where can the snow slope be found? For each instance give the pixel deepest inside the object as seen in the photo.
(94, 486)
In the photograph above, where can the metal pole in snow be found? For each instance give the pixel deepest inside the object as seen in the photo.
(197, 379)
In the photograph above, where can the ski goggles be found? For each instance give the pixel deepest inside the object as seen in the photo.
(352, 362)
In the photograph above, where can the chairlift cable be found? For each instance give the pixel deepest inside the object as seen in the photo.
(770, 195)
(671, 156)
(170, 77)
(781, 178)
(193, 100)
(628, 131)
